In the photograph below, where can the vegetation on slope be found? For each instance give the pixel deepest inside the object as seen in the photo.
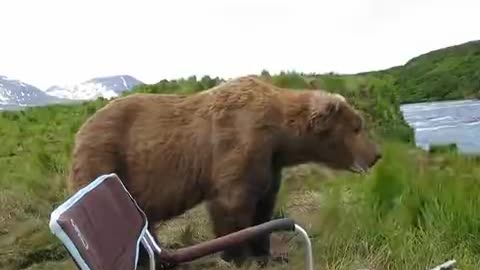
(413, 211)
(445, 74)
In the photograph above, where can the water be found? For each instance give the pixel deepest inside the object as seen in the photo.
(446, 122)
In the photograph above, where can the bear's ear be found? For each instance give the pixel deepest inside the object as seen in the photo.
(323, 115)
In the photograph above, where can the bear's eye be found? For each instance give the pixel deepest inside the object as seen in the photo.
(357, 129)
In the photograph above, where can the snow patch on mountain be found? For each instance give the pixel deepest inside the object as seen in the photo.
(82, 91)
(17, 93)
(106, 87)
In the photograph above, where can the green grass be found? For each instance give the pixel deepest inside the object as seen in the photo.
(34, 155)
(415, 210)
(412, 212)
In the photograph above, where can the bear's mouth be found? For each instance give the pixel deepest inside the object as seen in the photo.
(358, 168)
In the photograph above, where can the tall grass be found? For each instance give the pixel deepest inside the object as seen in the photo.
(412, 212)
(34, 154)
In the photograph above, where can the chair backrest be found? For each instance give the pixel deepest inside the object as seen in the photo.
(101, 225)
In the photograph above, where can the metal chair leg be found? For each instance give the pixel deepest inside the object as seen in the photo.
(308, 247)
(149, 249)
(152, 242)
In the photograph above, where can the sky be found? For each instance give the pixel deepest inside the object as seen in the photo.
(63, 42)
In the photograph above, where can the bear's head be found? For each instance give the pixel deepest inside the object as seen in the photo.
(334, 134)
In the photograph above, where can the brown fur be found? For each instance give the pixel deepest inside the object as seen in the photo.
(225, 146)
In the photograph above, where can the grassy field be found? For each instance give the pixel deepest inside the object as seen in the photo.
(413, 211)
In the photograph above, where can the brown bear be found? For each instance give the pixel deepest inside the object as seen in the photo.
(225, 146)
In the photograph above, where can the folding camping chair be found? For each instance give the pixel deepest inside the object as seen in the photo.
(102, 227)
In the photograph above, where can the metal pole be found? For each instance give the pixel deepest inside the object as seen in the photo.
(308, 247)
(191, 253)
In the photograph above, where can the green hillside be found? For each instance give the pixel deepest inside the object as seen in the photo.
(413, 211)
(445, 74)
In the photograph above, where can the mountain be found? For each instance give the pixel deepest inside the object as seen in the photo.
(15, 93)
(106, 87)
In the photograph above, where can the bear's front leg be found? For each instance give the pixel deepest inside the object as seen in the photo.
(264, 211)
(231, 211)
(243, 182)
